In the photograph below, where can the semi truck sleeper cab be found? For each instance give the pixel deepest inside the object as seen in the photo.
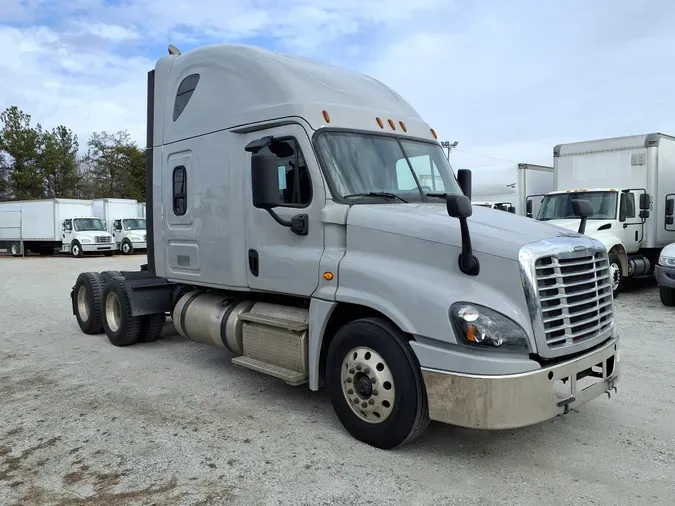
(288, 224)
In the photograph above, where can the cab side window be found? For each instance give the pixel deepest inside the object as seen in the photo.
(295, 185)
(630, 205)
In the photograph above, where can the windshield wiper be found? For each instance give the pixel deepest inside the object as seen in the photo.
(377, 194)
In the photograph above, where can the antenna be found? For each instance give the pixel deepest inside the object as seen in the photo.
(174, 51)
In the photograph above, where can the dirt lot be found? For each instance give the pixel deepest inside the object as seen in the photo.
(174, 422)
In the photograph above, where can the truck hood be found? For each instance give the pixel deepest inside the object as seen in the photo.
(492, 232)
(573, 224)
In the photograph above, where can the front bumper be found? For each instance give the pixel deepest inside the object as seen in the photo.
(140, 245)
(519, 400)
(89, 247)
(665, 276)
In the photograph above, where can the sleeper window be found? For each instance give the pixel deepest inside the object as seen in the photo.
(179, 190)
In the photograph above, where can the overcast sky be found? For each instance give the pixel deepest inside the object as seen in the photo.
(507, 79)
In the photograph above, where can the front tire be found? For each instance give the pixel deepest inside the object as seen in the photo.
(15, 249)
(76, 249)
(616, 277)
(88, 293)
(667, 295)
(375, 384)
(127, 248)
(120, 325)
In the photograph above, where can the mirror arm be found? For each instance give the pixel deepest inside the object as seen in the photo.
(279, 219)
(299, 224)
(468, 263)
(582, 225)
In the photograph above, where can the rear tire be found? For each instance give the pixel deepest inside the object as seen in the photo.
(391, 410)
(15, 249)
(667, 295)
(88, 294)
(120, 325)
(151, 328)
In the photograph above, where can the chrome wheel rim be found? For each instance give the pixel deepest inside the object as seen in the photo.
(76, 249)
(113, 312)
(82, 304)
(125, 247)
(616, 275)
(368, 385)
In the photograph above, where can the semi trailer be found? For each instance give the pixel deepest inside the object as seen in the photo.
(513, 187)
(53, 225)
(125, 221)
(630, 182)
(287, 224)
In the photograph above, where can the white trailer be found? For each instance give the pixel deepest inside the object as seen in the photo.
(630, 182)
(140, 210)
(123, 222)
(46, 226)
(514, 187)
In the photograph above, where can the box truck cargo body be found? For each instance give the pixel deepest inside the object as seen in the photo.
(630, 182)
(124, 222)
(46, 226)
(515, 187)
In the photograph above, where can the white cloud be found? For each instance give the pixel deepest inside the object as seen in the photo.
(508, 80)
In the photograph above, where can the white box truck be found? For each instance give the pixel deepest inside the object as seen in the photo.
(514, 187)
(123, 222)
(288, 225)
(46, 226)
(630, 182)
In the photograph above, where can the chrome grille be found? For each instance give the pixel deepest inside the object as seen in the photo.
(575, 295)
(102, 239)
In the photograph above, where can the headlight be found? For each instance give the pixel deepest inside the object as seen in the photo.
(482, 327)
(86, 239)
(135, 238)
(664, 260)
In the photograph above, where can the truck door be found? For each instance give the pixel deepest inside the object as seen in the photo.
(117, 231)
(66, 235)
(278, 259)
(632, 228)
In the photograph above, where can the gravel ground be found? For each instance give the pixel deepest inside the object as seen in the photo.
(174, 422)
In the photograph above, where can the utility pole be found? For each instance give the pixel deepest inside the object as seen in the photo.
(449, 147)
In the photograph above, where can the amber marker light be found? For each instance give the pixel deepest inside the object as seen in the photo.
(379, 122)
(326, 116)
(328, 276)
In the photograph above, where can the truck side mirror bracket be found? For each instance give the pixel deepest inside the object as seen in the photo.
(459, 206)
(265, 190)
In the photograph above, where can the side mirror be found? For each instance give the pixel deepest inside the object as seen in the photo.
(644, 202)
(464, 181)
(512, 209)
(265, 181)
(583, 209)
(670, 207)
(459, 206)
(529, 207)
(265, 191)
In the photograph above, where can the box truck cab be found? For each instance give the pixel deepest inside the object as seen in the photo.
(130, 234)
(288, 224)
(630, 182)
(85, 234)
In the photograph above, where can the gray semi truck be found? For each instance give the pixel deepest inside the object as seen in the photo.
(287, 224)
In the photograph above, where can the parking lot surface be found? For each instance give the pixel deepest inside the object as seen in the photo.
(174, 422)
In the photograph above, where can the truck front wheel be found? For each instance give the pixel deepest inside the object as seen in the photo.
(127, 248)
(615, 274)
(375, 384)
(76, 249)
(667, 295)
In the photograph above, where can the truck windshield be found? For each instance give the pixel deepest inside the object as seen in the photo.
(88, 224)
(134, 224)
(359, 164)
(559, 206)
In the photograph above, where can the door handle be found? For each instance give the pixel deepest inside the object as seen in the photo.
(253, 261)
